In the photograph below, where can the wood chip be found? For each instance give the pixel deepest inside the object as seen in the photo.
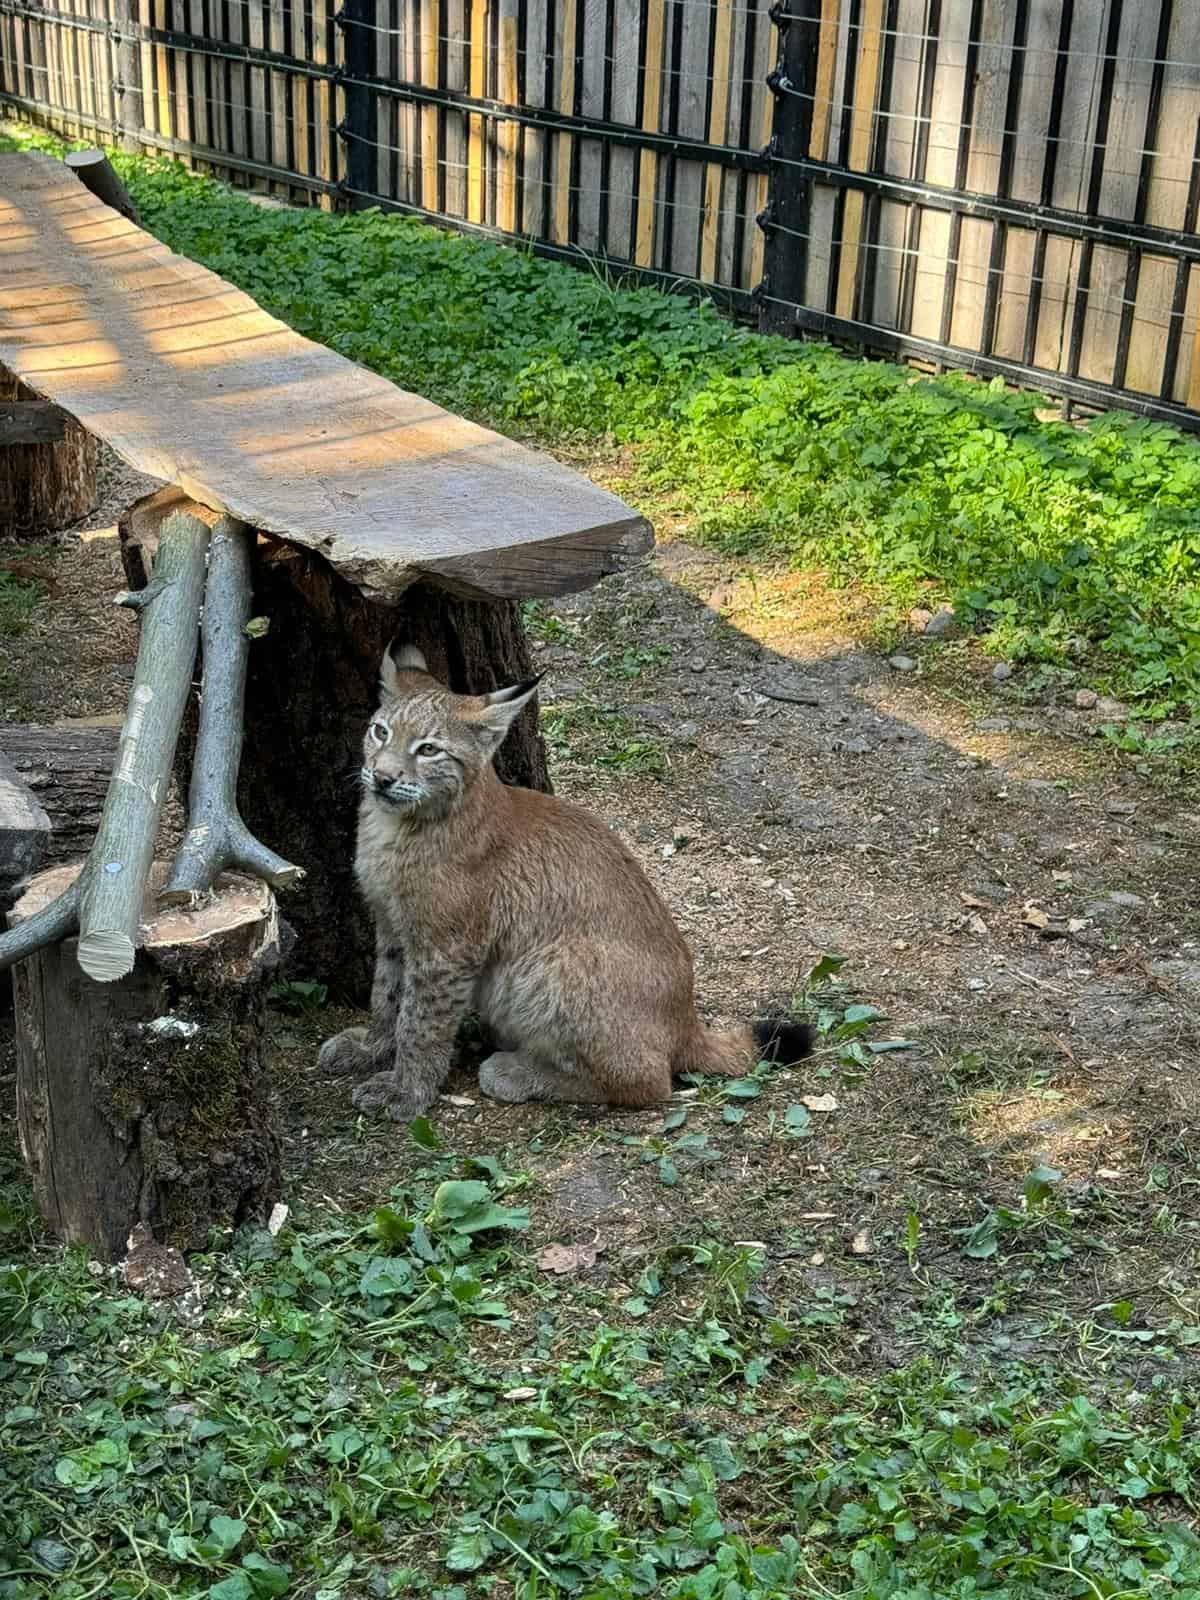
(563, 1258)
(520, 1394)
(819, 1102)
(862, 1244)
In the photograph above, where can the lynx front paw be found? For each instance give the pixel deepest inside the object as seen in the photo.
(388, 1096)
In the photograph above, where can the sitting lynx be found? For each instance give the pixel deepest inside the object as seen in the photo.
(522, 908)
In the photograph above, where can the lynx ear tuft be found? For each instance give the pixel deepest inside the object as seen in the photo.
(501, 709)
(399, 658)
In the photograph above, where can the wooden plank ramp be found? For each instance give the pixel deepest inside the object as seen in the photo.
(189, 380)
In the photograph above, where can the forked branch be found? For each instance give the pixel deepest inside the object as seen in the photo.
(217, 837)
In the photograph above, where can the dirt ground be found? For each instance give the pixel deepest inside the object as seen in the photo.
(1016, 901)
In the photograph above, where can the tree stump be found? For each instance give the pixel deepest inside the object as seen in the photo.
(144, 1100)
(311, 689)
(45, 486)
(67, 770)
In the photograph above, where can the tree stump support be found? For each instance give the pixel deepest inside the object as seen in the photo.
(312, 685)
(144, 1100)
(47, 463)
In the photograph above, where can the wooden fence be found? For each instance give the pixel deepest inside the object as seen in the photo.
(1010, 186)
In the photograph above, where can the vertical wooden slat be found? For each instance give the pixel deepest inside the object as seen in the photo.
(564, 142)
(457, 58)
(766, 49)
(651, 117)
(507, 133)
(866, 82)
(587, 228)
(536, 90)
(431, 27)
(302, 155)
(323, 102)
(831, 12)
(162, 74)
(476, 151)
(278, 85)
(722, 70)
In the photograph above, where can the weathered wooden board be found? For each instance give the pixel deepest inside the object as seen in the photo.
(190, 381)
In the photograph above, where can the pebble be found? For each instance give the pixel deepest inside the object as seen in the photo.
(993, 725)
(919, 619)
(1123, 897)
(1006, 841)
(1002, 672)
(940, 623)
(1111, 708)
(901, 663)
(1086, 699)
(698, 664)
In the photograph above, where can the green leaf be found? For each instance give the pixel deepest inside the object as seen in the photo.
(236, 1587)
(667, 1172)
(226, 1533)
(798, 1121)
(266, 1577)
(982, 1239)
(468, 1551)
(734, 1114)
(1039, 1184)
(675, 1119)
(827, 967)
(859, 1014)
(743, 1089)
(466, 1206)
(31, 1358)
(390, 1226)
(421, 1131)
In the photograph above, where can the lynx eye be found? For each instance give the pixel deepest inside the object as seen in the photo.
(380, 732)
(427, 751)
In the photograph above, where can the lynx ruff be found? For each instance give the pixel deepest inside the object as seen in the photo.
(522, 908)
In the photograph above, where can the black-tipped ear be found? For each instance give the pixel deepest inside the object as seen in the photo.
(501, 709)
(514, 691)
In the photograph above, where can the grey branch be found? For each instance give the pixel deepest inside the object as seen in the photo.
(58, 920)
(217, 837)
(114, 880)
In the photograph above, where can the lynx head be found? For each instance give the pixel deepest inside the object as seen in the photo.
(425, 746)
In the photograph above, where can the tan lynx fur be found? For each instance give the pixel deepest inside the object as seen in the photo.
(518, 906)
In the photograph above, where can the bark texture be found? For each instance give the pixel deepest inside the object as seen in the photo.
(44, 487)
(144, 1100)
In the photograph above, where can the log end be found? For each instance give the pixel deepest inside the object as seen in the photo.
(106, 954)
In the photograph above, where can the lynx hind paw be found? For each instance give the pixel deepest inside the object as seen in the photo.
(385, 1094)
(345, 1052)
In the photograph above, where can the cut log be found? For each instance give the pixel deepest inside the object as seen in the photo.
(144, 1101)
(313, 683)
(43, 486)
(95, 173)
(67, 771)
(24, 830)
(216, 836)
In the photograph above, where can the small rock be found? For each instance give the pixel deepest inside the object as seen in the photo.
(1123, 897)
(1111, 708)
(1002, 672)
(940, 623)
(564, 689)
(901, 663)
(686, 731)
(1086, 699)
(919, 619)
(1120, 808)
(156, 1271)
(993, 725)
(1006, 841)
(698, 664)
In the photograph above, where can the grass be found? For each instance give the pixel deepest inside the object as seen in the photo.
(401, 1404)
(408, 1401)
(1074, 547)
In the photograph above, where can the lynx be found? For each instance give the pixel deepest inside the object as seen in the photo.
(522, 908)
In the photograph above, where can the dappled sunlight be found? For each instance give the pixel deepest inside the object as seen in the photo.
(189, 379)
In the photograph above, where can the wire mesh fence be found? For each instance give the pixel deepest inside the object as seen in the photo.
(1007, 186)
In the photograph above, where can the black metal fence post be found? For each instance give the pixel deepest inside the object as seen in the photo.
(785, 221)
(357, 23)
